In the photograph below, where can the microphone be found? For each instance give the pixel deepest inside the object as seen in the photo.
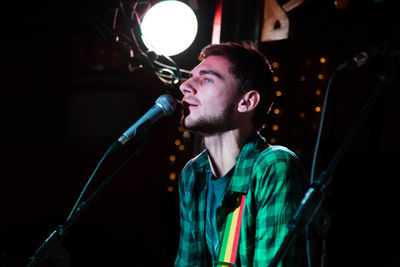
(165, 105)
(365, 57)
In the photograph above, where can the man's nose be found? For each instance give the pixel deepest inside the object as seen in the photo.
(187, 87)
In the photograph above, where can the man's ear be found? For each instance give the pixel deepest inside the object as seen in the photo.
(249, 101)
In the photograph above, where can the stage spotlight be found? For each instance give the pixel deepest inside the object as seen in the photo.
(169, 27)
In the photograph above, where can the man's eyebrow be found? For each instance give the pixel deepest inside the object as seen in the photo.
(211, 72)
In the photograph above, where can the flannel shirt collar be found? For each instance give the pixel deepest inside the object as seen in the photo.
(244, 165)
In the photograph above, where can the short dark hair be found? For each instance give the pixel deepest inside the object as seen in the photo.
(252, 71)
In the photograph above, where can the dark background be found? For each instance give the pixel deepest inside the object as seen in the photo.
(67, 94)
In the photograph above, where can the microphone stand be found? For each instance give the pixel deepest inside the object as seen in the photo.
(315, 194)
(54, 240)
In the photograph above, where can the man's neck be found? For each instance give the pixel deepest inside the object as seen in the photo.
(223, 150)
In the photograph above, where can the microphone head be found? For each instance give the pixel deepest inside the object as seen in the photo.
(167, 103)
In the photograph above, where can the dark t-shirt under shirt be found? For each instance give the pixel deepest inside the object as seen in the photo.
(216, 191)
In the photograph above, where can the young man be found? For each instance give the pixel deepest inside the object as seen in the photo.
(226, 101)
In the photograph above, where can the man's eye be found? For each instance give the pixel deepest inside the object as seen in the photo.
(207, 80)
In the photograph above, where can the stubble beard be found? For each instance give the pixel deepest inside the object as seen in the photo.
(210, 125)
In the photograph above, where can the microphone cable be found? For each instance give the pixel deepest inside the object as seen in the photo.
(87, 184)
(321, 125)
(314, 160)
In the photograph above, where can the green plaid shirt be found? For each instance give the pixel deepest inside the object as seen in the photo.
(273, 181)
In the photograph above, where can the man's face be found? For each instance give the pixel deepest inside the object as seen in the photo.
(210, 97)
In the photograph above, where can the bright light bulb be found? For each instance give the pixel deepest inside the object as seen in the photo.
(169, 27)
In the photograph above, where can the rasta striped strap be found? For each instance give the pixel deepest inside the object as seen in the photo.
(230, 239)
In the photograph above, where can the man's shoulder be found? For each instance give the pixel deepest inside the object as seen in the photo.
(277, 159)
(276, 153)
(277, 165)
(196, 162)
